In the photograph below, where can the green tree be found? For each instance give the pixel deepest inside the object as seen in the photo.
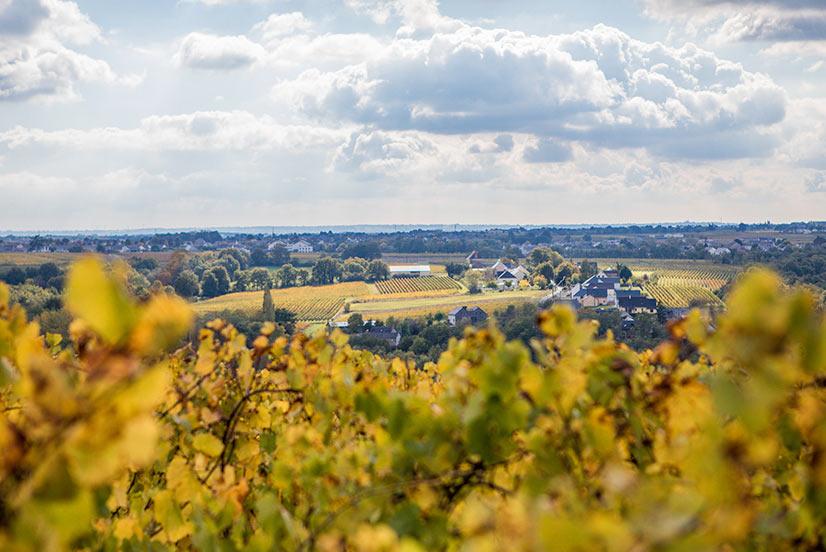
(564, 272)
(268, 307)
(377, 270)
(259, 278)
(215, 282)
(546, 270)
(362, 250)
(355, 323)
(587, 269)
(625, 273)
(326, 271)
(186, 284)
(287, 276)
(209, 285)
(455, 270)
(354, 269)
(541, 255)
(473, 281)
(14, 276)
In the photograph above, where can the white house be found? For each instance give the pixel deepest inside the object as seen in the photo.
(300, 246)
(507, 280)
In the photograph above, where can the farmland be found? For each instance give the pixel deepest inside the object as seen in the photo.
(9, 260)
(415, 285)
(308, 303)
(681, 296)
(400, 307)
(322, 303)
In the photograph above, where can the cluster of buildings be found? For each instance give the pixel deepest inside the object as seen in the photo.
(505, 275)
(184, 241)
(605, 289)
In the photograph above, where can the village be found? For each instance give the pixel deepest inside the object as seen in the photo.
(607, 290)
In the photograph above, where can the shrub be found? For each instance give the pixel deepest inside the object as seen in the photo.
(714, 440)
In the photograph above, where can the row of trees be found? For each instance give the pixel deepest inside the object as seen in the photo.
(213, 274)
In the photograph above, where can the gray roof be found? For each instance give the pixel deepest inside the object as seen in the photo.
(637, 302)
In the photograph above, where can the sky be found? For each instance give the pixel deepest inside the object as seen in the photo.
(217, 113)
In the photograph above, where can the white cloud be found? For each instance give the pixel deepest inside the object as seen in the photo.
(36, 55)
(221, 53)
(279, 25)
(414, 15)
(327, 51)
(598, 86)
(746, 20)
(199, 131)
(225, 2)
(816, 183)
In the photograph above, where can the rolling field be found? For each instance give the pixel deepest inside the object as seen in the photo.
(379, 308)
(681, 296)
(307, 302)
(8, 260)
(415, 285)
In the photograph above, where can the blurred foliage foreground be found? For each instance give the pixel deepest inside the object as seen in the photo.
(715, 440)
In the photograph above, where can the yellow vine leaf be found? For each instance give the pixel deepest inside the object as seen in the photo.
(99, 300)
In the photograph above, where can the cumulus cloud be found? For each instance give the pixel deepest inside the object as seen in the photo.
(503, 143)
(199, 131)
(283, 41)
(547, 150)
(218, 53)
(20, 17)
(598, 86)
(328, 51)
(37, 55)
(816, 183)
(278, 25)
(405, 156)
(376, 152)
(747, 20)
(416, 16)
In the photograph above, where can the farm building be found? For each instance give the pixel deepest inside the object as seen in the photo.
(466, 315)
(596, 296)
(474, 261)
(409, 271)
(390, 335)
(637, 305)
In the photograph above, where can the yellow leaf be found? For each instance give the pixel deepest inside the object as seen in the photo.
(100, 300)
(247, 450)
(161, 324)
(169, 515)
(126, 528)
(179, 478)
(139, 439)
(207, 443)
